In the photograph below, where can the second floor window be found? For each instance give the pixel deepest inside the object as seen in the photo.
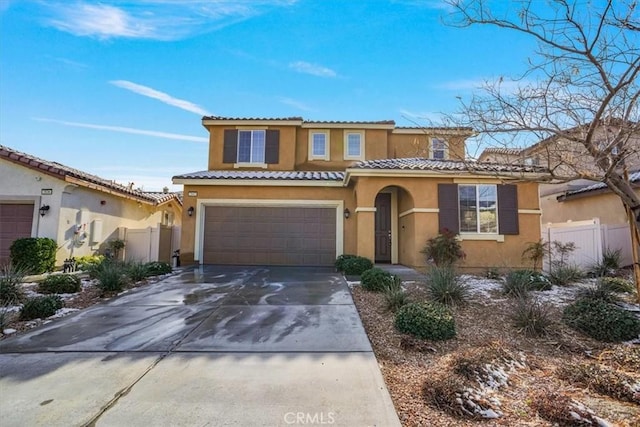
(438, 149)
(354, 145)
(319, 145)
(251, 144)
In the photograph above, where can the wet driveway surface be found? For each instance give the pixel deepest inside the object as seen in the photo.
(208, 346)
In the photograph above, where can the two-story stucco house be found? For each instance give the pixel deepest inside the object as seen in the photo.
(286, 191)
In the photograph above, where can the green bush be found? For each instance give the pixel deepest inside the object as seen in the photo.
(601, 320)
(518, 283)
(111, 276)
(87, 262)
(598, 292)
(34, 255)
(356, 266)
(609, 264)
(445, 287)
(532, 317)
(375, 279)
(40, 307)
(10, 285)
(563, 275)
(426, 320)
(136, 271)
(444, 249)
(341, 260)
(60, 284)
(157, 268)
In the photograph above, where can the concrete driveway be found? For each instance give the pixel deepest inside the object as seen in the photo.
(208, 347)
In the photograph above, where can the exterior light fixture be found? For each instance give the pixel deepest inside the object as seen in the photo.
(347, 213)
(44, 209)
(190, 211)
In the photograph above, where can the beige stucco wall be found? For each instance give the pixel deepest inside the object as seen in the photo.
(605, 206)
(403, 145)
(72, 205)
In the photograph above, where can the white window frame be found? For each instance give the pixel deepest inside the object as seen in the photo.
(360, 156)
(432, 149)
(251, 160)
(478, 232)
(327, 144)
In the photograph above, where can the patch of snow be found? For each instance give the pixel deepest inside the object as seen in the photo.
(489, 413)
(10, 308)
(63, 312)
(9, 331)
(481, 287)
(353, 284)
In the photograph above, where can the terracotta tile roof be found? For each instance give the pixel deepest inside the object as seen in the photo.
(249, 119)
(633, 177)
(422, 164)
(351, 122)
(418, 128)
(269, 175)
(63, 172)
(499, 150)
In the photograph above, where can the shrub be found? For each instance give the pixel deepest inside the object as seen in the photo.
(111, 277)
(40, 307)
(136, 271)
(560, 409)
(394, 296)
(601, 320)
(602, 380)
(34, 255)
(444, 249)
(375, 279)
(445, 287)
(157, 268)
(532, 317)
(356, 266)
(563, 275)
(609, 264)
(616, 284)
(426, 320)
(341, 260)
(60, 284)
(10, 285)
(599, 292)
(493, 273)
(115, 246)
(87, 262)
(535, 252)
(518, 283)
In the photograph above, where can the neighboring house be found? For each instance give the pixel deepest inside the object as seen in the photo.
(294, 192)
(501, 155)
(82, 212)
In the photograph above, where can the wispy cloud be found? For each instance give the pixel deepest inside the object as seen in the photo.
(428, 4)
(160, 96)
(313, 69)
(122, 129)
(506, 85)
(70, 63)
(295, 104)
(152, 19)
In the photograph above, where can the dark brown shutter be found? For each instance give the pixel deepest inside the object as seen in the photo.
(448, 216)
(272, 147)
(508, 209)
(230, 148)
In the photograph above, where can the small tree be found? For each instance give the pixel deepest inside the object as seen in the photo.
(116, 245)
(535, 252)
(444, 249)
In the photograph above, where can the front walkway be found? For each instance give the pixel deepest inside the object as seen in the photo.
(213, 346)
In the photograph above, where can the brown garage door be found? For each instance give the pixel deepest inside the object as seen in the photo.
(15, 222)
(269, 236)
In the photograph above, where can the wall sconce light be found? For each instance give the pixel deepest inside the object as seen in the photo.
(190, 211)
(347, 213)
(44, 209)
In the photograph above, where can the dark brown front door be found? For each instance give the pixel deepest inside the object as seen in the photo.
(383, 227)
(269, 235)
(15, 223)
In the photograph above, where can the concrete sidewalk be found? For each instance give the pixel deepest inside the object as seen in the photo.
(213, 346)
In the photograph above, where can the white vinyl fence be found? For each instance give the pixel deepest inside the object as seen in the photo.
(151, 243)
(591, 239)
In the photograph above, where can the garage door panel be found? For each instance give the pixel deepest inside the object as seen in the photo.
(269, 235)
(15, 222)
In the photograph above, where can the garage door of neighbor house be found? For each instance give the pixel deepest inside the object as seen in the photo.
(15, 223)
(269, 235)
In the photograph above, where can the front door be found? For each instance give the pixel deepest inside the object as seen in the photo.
(383, 227)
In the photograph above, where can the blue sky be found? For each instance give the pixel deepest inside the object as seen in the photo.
(118, 88)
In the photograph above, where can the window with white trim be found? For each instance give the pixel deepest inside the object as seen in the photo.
(354, 145)
(439, 150)
(251, 145)
(319, 145)
(478, 208)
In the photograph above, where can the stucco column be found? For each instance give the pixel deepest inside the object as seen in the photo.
(366, 233)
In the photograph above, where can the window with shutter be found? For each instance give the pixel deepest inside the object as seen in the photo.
(251, 147)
